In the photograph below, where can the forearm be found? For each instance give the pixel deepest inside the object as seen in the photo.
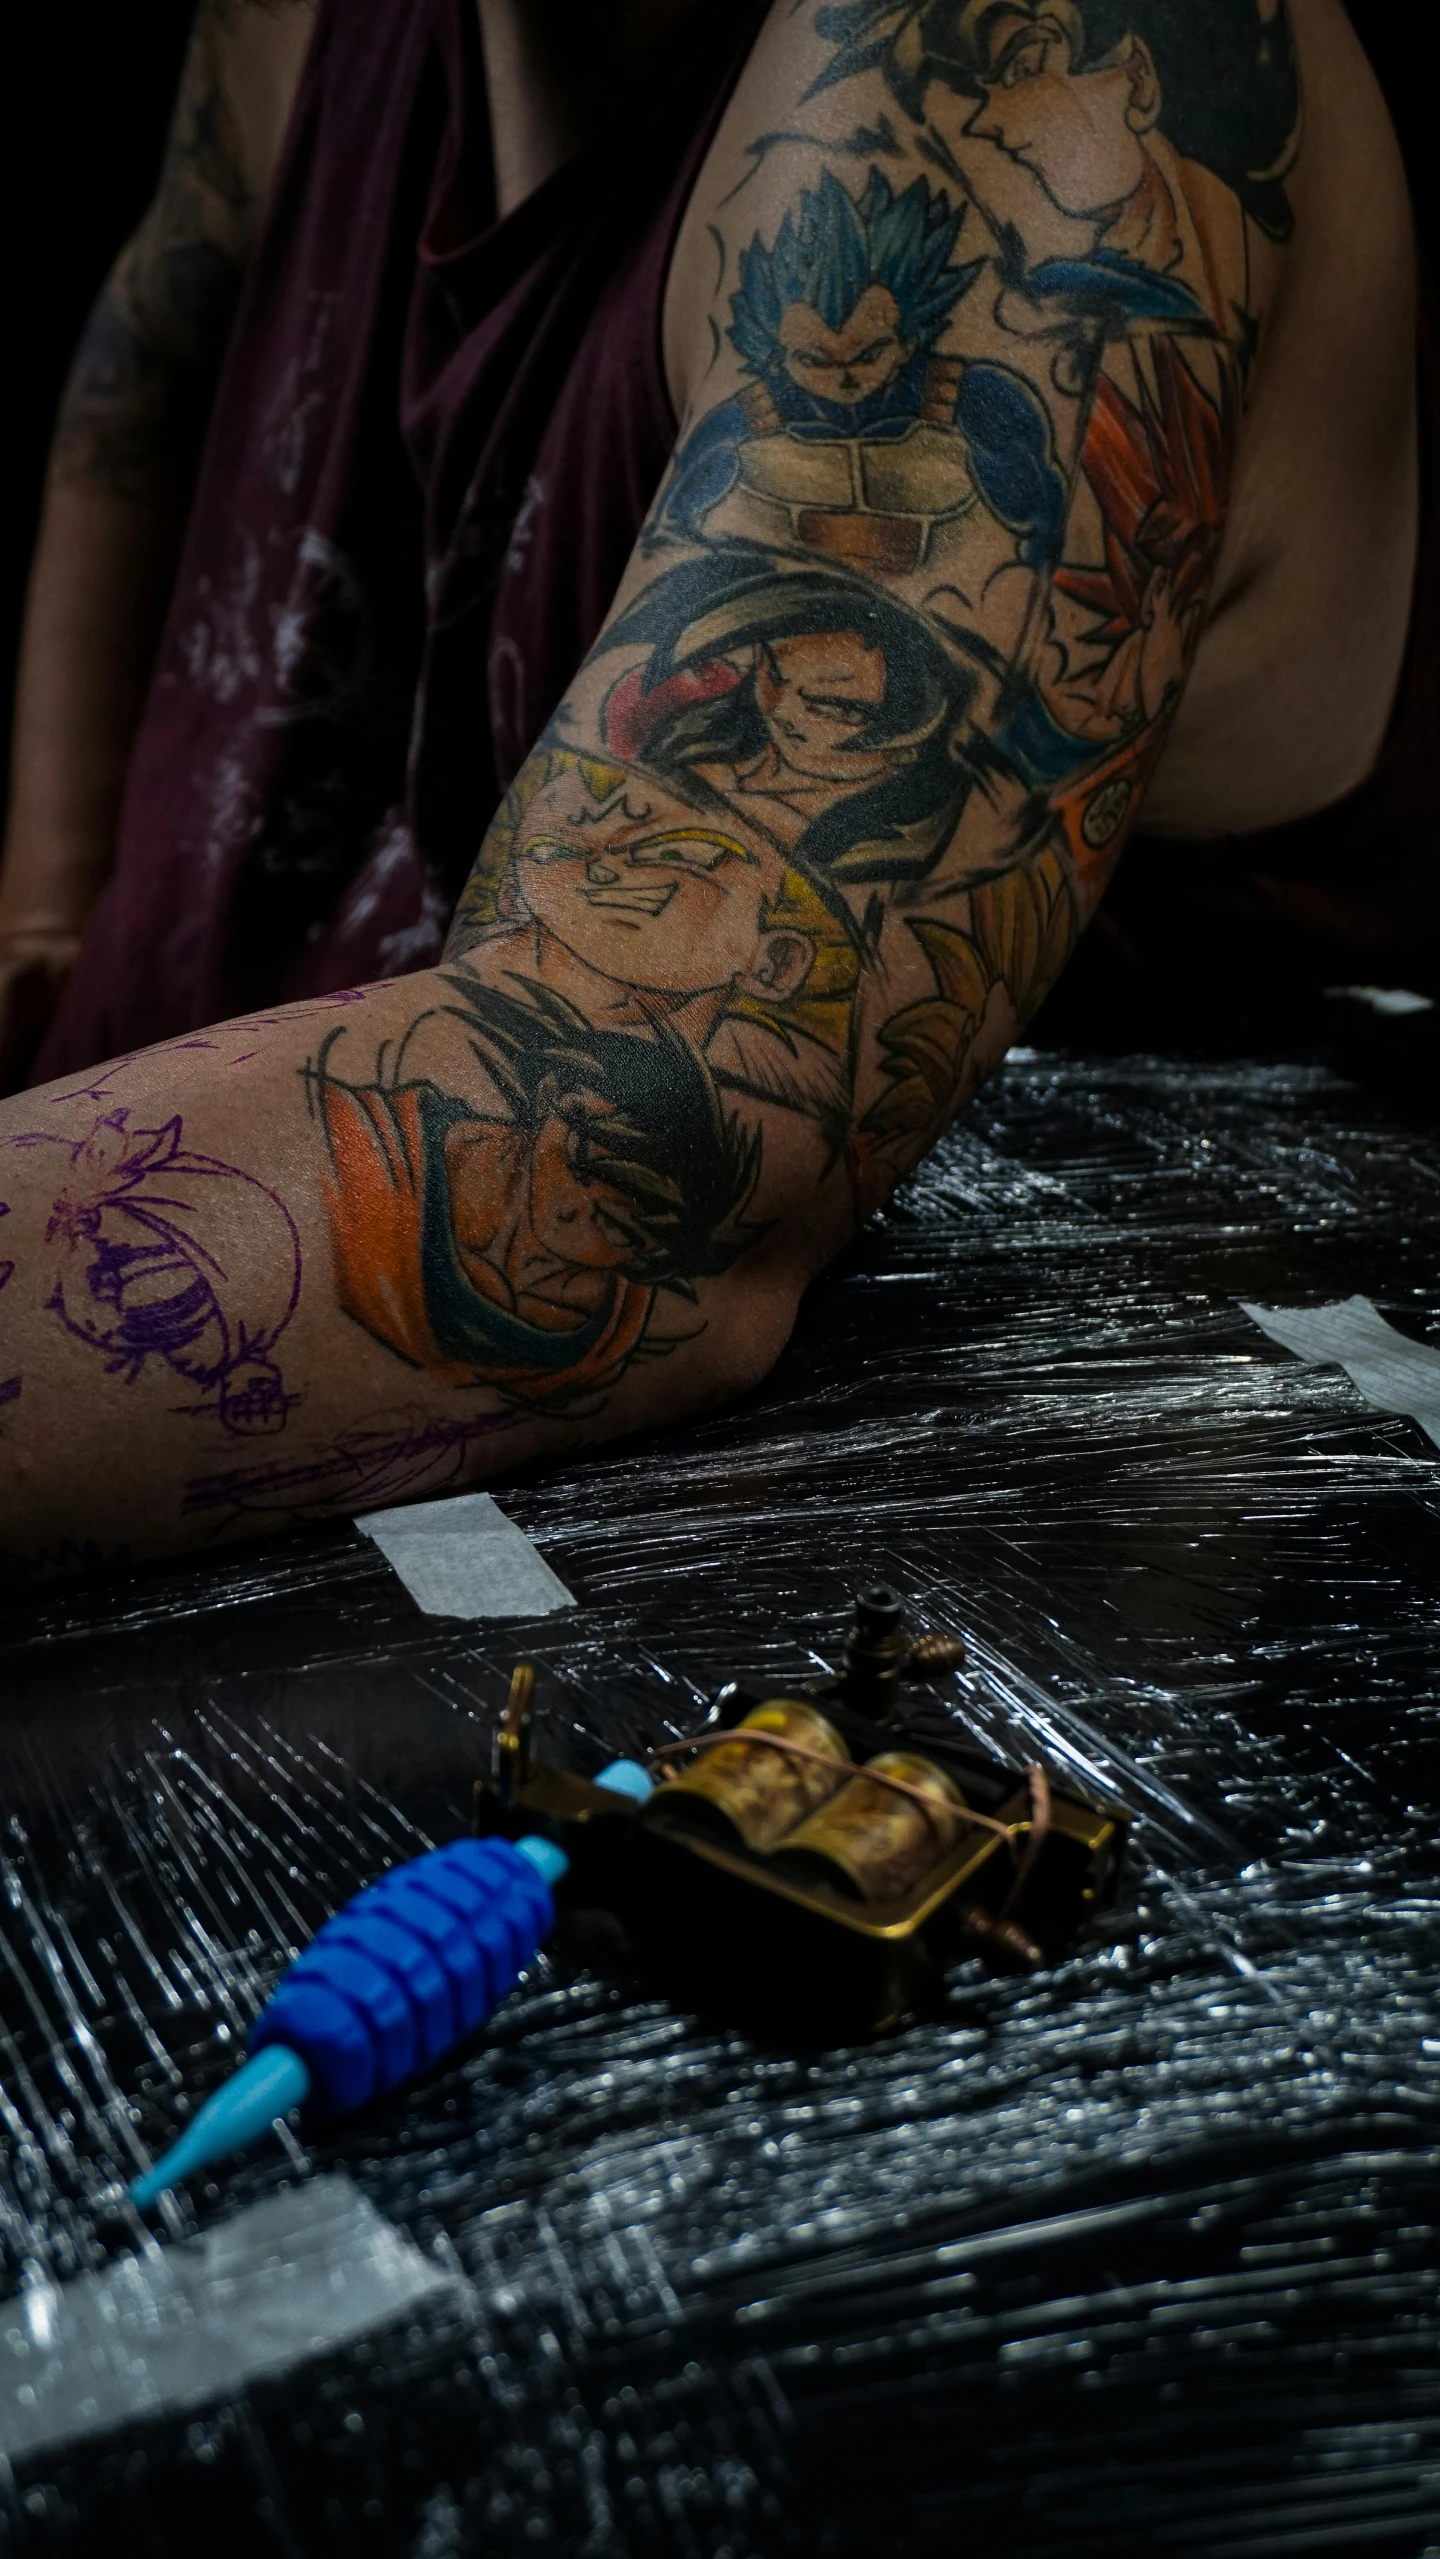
(117, 489)
(127, 440)
(213, 1310)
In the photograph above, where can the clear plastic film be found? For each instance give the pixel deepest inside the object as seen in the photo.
(1135, 2253)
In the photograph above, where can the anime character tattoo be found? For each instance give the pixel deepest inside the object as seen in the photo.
(1220, 85)
(855, 436)
(522, 1247)
(845, 775)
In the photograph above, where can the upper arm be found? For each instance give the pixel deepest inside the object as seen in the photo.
(237, 87)
(144, 373)
(961, 322)
(821, 814)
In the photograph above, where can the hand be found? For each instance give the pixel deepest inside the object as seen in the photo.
(35, 962)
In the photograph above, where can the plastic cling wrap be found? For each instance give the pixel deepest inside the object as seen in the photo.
(1137, 2254)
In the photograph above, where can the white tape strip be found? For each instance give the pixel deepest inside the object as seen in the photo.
(298, 2275)
(1394, 1001)
(1391, 1372)
(464, 1558)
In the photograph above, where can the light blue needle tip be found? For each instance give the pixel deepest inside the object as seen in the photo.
(549, 1861)
(627, 1777)
(269, 2085)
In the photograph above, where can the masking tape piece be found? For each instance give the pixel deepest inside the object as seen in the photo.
(180, 2326)
(1390, 1371)
(464, 1558)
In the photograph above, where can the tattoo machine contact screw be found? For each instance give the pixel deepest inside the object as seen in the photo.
(879, 1654)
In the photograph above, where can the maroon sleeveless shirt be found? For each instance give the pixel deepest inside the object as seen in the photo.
(435, 442)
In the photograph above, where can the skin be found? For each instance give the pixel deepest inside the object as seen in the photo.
(127, 441)
(952, 963)
(582, 1225)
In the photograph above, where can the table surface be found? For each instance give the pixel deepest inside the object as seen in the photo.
(1138, 2253)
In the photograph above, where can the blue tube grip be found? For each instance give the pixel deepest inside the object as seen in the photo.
(408, 1969)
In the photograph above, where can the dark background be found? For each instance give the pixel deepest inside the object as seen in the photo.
(89, 125)
(87, 128)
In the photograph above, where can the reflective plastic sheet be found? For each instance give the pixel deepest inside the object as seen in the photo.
(1138, 2254)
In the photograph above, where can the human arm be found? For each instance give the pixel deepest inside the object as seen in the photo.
(804, 846)
(126, 443)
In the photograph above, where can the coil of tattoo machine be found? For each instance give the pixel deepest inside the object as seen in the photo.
(805, 1861)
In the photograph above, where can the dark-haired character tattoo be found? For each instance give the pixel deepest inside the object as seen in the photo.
(833, 714)
(522, 1248)
(855, 436)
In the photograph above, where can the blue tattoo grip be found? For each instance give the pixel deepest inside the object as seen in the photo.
(409, 1968)
(387, 1987)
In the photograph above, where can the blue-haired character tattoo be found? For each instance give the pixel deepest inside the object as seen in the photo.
(853, 434)
(838, 320)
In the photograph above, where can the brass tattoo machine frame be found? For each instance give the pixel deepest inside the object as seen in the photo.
(808, 1861)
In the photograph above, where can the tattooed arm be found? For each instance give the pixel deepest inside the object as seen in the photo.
(126, 444)
(806, 843)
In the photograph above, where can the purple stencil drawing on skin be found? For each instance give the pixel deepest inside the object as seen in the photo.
(384, 1459)
(100, 1086)
(145, 1231)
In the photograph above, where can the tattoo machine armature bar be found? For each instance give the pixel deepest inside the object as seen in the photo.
(805, 1862)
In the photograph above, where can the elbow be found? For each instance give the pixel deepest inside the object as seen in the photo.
(747, 1326)
(763, 1322)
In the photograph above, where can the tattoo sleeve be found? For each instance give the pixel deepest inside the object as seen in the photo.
(850, 766)
(822, 814)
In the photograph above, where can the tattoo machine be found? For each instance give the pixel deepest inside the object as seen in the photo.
(798, 1859)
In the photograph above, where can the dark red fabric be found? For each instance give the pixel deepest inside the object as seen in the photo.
(435, 442)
